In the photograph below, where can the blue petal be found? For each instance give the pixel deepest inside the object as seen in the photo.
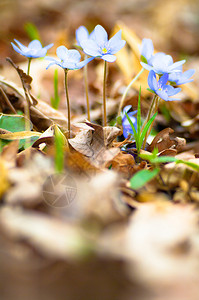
(172, 91)
(69, 65)
(51, 64)
(62, 52)
(160, 62)
(50, 58)
(126, 109)
(115, 43)
(147, 67)
(74, 55)
(162, 94)
(152, 81)
(109, 57)
(185, 77)
(92, 35)
(163, 79)
(90, 47)
(147, 48)
(84, 62)
(17, 49)
(101, 35)
(174, 77)
(35, 44)
(81, 34)
(48, 46)
(176, 65)
(21, 46)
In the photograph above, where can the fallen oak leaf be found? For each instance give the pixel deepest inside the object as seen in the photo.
(123, 163)
(95, 143)
(162, 141)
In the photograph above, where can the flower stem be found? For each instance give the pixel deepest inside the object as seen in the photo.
(29, 61)
(156, 101)
(150, 111)
(86, 89)
(127, 90)
(67, 100)
(104, 93)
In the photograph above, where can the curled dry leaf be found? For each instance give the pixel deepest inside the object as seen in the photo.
(25, 79)
(123, 163)
(94, 141)
(162, 141)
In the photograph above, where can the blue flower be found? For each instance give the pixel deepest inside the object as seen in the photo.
(146, 50)
(160, 87)
(180, 77)
(83, 34)
(100, 46)
(125, 123)
(69, 59)
(161, 63)
(34, 49)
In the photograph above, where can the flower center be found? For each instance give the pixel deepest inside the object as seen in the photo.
(104, 50)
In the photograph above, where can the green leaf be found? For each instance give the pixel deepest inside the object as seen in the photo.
(163, 159)
(133, 128)
(119, 120)
(150, 90)
(56, 100)
(146, 128)
(142, 177)
(143, 59)
(32, 31)
(60, 142)
(188, 163)
(15, 123)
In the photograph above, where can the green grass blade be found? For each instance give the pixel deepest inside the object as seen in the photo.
(56, 100)
(139, 114)
(133, 128)
(142, 177)
(146, 128)
(32, 31)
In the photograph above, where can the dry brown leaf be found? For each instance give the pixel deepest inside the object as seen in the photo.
(9, 153)
(25, 79)
(123, 163)
(162, 141)
(95, 143)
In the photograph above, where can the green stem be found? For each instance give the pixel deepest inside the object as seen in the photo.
(150, 111)
(86, 90)
(29, 61)
(127, 90)
(150, 128)
(67, 100)
(104, 93)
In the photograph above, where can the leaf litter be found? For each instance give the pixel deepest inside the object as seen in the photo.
(147, 234)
